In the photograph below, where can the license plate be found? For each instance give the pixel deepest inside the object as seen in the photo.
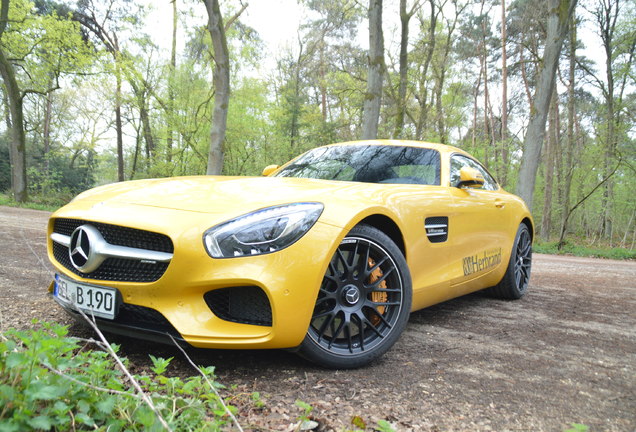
(95, 300)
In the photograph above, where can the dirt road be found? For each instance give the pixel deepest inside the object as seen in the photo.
(565, 353)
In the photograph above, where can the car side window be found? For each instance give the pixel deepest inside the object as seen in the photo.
(460, 161)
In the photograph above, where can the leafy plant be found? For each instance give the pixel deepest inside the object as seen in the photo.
(51, 381)
(384, 426)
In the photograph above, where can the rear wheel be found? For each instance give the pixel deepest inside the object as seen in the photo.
(514, 284)
(363, 303)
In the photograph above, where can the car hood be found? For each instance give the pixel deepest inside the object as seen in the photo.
(231, 195)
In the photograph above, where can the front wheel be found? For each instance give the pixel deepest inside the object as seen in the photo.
(514, 284)
(363, 303)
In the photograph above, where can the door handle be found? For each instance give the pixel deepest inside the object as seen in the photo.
(499, 203)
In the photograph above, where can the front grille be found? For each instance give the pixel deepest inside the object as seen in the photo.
(144, 318)
(118, 235)
(136, 317)
(116, 269)
(245, 305)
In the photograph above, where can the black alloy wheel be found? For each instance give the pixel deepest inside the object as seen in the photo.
(363, 303)
(514, 284)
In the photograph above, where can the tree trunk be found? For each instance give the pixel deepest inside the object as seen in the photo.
(569, 150)
(221, 81)
(559, 14)
(133, 169)
(405, 17)
(609, 12)
(171, 84)
(323, 84)
(440, 69)
(147, 129)
(503, 177)
(118, 122)
(17, 144)
(46, 133)
(550, 155)
(422, 121)
(488, 132)
(524, 75)
(473, 141)
(294, 131)
(373, 97)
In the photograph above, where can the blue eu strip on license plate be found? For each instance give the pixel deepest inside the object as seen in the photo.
(93, 300)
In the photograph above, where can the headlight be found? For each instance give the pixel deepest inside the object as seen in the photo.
(263, 231)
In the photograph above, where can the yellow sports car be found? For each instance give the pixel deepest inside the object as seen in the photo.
(326, 255)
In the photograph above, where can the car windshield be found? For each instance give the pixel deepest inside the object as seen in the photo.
(369, 164)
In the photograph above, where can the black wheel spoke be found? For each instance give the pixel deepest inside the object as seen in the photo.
(376, 304)
(331, 278)
(370, 325)
(325, 325)
(347, 330)
(374, 285)
(363, 260)
(336, 332)
(381, 316)
(385, 290)
(360, 325)
(342, 259)
(352, 256)
(322, 314)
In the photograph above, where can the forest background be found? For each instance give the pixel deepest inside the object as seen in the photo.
(101, 100)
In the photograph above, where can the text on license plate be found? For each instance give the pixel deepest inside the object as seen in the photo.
(99, 301)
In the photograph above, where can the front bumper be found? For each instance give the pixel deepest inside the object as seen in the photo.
(133, 321)
(290, 280)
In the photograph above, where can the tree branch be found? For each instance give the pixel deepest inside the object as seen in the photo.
(581, 201)
(231, 20)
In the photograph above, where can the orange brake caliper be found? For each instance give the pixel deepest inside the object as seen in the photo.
(377, 297)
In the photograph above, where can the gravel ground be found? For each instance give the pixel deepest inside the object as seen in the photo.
(565, 353)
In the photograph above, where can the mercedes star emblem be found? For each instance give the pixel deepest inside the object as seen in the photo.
(83, 249)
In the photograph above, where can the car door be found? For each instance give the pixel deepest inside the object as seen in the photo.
(479, 222)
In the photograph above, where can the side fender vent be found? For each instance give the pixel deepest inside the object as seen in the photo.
(436, 228)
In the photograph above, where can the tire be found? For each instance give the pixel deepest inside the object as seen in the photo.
(363, 304)
(514, 284)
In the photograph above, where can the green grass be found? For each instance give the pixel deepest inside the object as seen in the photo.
(584, 251)
(36, 202)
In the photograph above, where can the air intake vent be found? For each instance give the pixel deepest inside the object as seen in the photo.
(245, 305)
(436, 228)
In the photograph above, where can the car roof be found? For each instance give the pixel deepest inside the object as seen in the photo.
(442, 148)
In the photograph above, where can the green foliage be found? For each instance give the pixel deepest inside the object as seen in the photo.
(5, 168)
(61, 176)
(384, 426)
(584, 251)
(358, 422)
(577, 427)
(38, 202)
(51, 381)
(44, 46)
(307, 409)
